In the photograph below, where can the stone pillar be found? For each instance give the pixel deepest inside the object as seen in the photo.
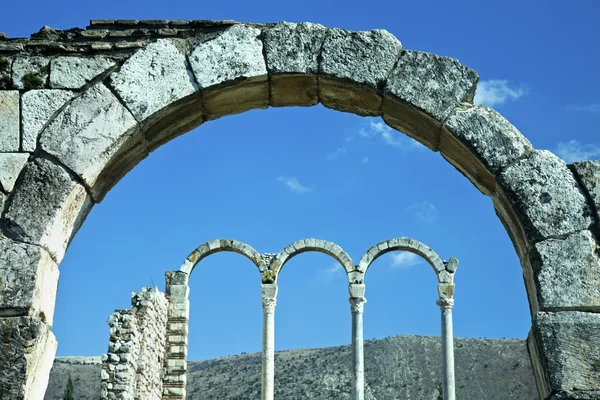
(269, 300)
(357, 301)
(447, 348)
(175, 379)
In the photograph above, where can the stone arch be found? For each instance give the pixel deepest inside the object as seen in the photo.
(66, 138)
(444, 271)
(305, 245)
(219, 245)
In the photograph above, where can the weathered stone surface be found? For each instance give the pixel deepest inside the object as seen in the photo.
(353, 66)
(235, 54)
(422, 91)
(545, 197)
(47, 208)
(2, 202)
(293, 48)
(479, 142)
(11, 165)
(567, 272)
(9, 120)
(28, 281)
(30, 72)
(5, 67)
(292, 54)
(153, 78)
(75, 72)
(87, 134)
(232, 69)
(568, 343)
(28, 349)
(569, 395)
(38, 106)
(588, 173)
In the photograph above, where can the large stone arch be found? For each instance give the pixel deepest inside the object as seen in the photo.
(80, 108)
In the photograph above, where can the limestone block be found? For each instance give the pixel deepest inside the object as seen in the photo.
(75, 72)
(28, 349)
(11, 165)
(153, 78)
(588, 173)
(38, 106)
(479, 142)
(353, 66)
(292, 55)
(90, 132)
(30, 72)
(569, 395)
(568, 344)
(47, 208)
(567, 272)
(232, 72)
(422, 91)
(28, 281)
(9, 120)
(544, 197)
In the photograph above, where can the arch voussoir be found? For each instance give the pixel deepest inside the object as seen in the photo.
(318, 245)
(219, 245)
(354, 67)
(422, 91)
(292, 56)
(479, 142)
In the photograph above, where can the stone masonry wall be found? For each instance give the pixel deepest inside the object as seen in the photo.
(132, 368)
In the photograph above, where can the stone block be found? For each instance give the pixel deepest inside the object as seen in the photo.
(30, 72)
(568, 346)
(28, 281)
(96, 114)
(75, 72)
(11, 165)
(544, 197)
(28, 349)
(353, 67)
(567, 272)
(38, 106)
(292, 55)
(9, 121)
(422, 91)
(231, 71)
(569, 395)
(479, 142)
(588, 173)
(152, 79)
(47, 208)
(5, 67)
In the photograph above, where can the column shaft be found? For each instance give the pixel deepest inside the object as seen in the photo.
(357, 302)
(269, 294)
(447, 353)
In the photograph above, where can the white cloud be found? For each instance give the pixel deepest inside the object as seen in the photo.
(590, 108)
(389, 136)
(425, 211)
(338, 153)
(494, 92)
(404, 259)
(293, 184)
(329, 273)
(365, 160)
(572, 151)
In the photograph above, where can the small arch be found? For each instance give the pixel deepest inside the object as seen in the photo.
(319, 245)
(401, 244)
(218, 245)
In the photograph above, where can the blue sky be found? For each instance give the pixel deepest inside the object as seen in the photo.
(270, 177)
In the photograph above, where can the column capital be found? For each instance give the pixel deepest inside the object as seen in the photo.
(269, 296)
(445, 303)
(357, 304)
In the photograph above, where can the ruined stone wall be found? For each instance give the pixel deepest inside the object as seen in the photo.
(133, 366)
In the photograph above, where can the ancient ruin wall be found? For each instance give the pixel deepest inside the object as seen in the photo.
(134, 85)
(133, 366)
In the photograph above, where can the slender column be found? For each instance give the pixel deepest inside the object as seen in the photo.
(269, 300)
(447, 348)
(357, 301)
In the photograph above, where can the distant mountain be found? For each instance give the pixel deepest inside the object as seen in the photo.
(401, 367)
